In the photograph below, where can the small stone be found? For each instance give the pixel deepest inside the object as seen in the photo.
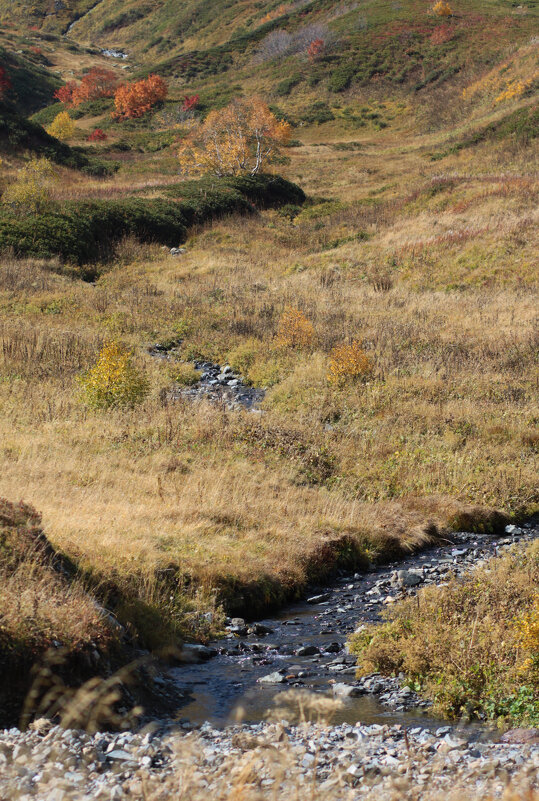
(319, 599)
(347, 690)
(273, 678)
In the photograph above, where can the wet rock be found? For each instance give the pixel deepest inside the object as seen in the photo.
(347, 690)
(333, 648)
(196, 653)
(308, 650)
(319, 599)
(260, 630)
(409, 578)
(530, 736)
(273, 678)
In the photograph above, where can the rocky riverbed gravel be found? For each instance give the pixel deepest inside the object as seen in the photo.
(217, 383)
(265, 760)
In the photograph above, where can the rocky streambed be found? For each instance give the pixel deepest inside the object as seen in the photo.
(217, 383)
(305, 646)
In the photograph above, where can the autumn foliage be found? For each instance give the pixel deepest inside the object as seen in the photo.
(97, 136)
(295, 330)
(442, 34)
(5, 83)
(114, 380)
(348, 362)
(132, 100)
(190, 102)
(316, 49)
(98, 82)
(62, 127)
(242, 137)
(442, 9)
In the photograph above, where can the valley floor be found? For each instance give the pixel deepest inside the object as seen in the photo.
(430, 264)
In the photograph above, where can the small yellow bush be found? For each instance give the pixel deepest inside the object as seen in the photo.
(31, 190)
(442, 9)
(348, 362)
(528, 638)
(294, 330)
(114, 380)
(62, 126)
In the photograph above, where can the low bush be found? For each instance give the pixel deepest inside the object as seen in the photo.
(30, 191)
(18, 134)
(294, 330)
(341, 78)
(317, 113)
(348, 362)
(285, 87)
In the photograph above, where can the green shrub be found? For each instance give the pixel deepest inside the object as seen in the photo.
(285, 87)
(82, 232)
(341, 78)
(18, 134)
(318, 113)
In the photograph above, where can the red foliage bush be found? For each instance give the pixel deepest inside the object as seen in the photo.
(135, 99)
(190, 102)
(97, 136)
(316, 49)
(65, 93)
(5, 83)
(442, 34)
(98, 82)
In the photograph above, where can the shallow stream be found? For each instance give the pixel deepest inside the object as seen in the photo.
(228, 688)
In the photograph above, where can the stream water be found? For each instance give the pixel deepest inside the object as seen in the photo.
(228, 688)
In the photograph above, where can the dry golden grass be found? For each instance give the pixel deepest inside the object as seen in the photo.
(473, 645)
(448, 418)
(40, 606)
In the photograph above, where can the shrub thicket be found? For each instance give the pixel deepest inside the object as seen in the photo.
(30, 191)
(18, 134)
(295, 330)
(80, 232)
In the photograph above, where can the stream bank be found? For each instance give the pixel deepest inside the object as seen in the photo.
(304, 647)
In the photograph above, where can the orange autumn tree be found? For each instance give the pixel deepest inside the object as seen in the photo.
(132, 100)
(243, 137)
(98, 82)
